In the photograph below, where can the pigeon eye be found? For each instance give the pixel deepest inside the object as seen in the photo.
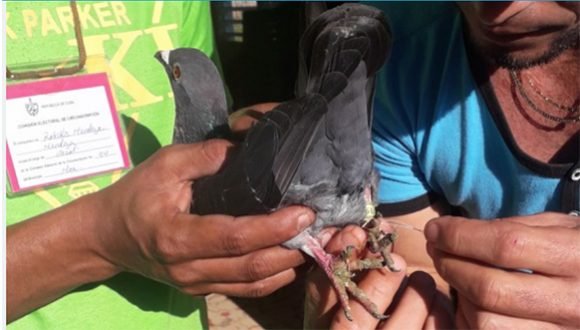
(176, 71)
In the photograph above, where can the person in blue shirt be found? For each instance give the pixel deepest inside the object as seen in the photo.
(477, 117)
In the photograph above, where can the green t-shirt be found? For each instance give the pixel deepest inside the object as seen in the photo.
(126, 35)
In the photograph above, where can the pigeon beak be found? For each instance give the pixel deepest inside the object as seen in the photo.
(163, 56)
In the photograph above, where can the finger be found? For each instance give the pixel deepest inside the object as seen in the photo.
(320, 303)
(326, 235)
(461, 321)
(256, 289)
(380, 285)
(511, 293)
(441, 314)
(481, 319)
(548, 250)
(251, 267)
(547, 219)
(413, 308)
(242, 119)
(349, 236)
(321, 299)
(192, 161)
(191, 236)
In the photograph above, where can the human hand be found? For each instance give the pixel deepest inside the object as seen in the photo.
(412, 302)
(243, 119)
(480, 258)
(148, 229)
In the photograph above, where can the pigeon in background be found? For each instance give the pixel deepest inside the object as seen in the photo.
(314, 150)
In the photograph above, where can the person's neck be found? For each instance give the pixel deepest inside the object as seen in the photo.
(541, 138)
(558, 80)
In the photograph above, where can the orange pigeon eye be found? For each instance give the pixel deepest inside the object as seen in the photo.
(176, 71)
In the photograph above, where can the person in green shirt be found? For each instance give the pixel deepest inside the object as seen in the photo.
(116, 251)
(120, 250)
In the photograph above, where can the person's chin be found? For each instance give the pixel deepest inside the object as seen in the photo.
(526, 49)
(519, 54)
(519, 42)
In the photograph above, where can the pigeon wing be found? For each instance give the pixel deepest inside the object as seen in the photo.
(252, 181)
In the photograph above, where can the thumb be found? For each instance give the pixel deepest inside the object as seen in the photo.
(547, 219)
(193, 161)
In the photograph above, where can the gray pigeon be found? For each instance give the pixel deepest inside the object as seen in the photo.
(314, 150)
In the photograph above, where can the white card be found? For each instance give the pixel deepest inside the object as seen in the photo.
(62, 129)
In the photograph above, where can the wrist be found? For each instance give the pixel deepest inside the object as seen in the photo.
(97, 217)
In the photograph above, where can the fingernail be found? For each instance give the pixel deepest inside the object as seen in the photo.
(305, 219)
(353, 235)
(430, 249)
(431, 231)
(325, 238)
(399, 264)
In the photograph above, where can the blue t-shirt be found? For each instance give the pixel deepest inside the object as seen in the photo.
(437, 130)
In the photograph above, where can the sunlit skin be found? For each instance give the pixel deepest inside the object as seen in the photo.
(539, 41)
(525, 31)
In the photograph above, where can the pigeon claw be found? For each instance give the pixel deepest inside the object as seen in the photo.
(340, 269)
(381, 242)
(342, 273)
(362, 298)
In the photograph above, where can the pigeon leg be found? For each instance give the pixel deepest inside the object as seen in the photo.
(340, 272)
(378, 240)
(381, 242)
(338, 276)
(351, 287)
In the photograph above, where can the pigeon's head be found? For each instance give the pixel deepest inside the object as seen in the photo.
(187, 69)
(194, 77)
(198, 90)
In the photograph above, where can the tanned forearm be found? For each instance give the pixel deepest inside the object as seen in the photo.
(51, 254)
